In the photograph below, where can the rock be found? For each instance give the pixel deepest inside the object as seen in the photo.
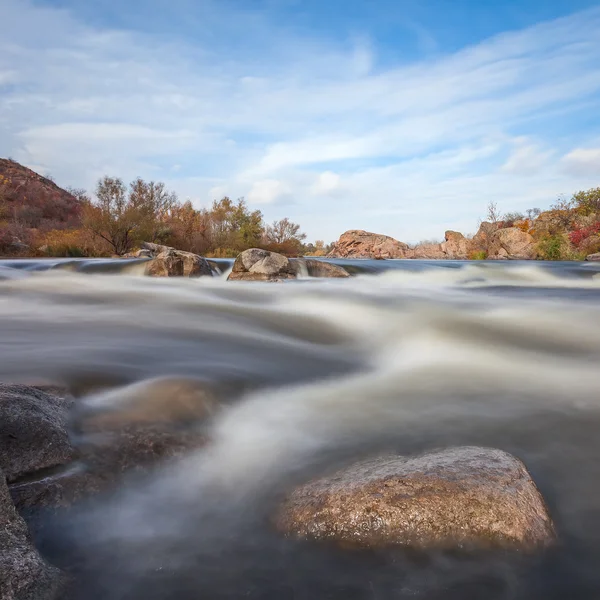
(456, 246)
(467, 496)
(24, 575)
(261, 265)
(362, 244)
(482, 239)
(427, 251)
(594, 257)
(318, 268)
(511, 242)
(123, 430)
(33, 430)
(176, 263)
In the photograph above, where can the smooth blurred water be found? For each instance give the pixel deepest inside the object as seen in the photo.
(412, 355)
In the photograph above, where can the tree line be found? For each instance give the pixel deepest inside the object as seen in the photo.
(119, 217)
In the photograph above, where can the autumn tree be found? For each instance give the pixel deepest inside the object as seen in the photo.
(123, 217)
(284, 236)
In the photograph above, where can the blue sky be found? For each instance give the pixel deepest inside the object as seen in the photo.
(402, 117)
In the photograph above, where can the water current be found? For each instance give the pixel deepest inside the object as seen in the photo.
(413, 355)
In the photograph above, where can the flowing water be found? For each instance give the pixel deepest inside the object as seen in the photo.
(410, 355)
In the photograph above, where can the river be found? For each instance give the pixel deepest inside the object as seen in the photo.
(411, 354)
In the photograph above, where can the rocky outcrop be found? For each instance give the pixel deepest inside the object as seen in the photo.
(465, 496)
(455, 246)
(33, 431)
(511, 242)
(261, 265)
(318, 268)
(483, 238)
(24, 575)
(362, 244)
(168, 262)
(427, 252)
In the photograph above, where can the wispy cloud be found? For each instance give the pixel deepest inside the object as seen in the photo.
(307, 126)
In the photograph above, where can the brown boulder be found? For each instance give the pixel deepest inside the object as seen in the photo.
(482, 239)
(511, 242)
(261, 265)
(24, 575)
(318, 268)
(427, 251)
(467, 496)
(176, 263)
(33, 430)
(363, 244)
(593, 257)
(456, 246)
(122, 430)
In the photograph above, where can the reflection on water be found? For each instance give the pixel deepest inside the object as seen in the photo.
(409, 354)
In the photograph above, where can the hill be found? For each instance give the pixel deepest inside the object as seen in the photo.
(31, 204)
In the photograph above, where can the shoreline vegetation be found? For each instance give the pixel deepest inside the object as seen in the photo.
(40, 219)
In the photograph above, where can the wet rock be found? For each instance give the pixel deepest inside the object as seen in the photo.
(261, 265)
(24, 575)
(33, 430)
(363, 244)
(175, 263)
(318, 268)
(122, 431)
(459, 497)
(511, 242)
(169, 262)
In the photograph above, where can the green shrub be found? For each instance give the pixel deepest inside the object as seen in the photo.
(553, 247)
(478, 255)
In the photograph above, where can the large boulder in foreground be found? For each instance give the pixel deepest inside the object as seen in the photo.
(459, 497)
(511, 242)
(24, 575)
(33, 430)
(363, 244)
(255, 264)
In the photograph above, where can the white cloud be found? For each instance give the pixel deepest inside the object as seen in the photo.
(582, 162)
(268, 191)
(307, 128)
(526, 159)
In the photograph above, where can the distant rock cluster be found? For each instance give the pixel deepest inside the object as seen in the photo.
(495, 241)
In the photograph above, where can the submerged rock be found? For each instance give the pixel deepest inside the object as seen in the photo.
(24, 575)
(363, 244)
(118, 431)
(458, 497)
(261, 265)
(319, 268)
(33, 430)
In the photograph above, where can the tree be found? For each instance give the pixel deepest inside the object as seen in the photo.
(493, 214)
(284, 231)
(122, 217)
(587, 202)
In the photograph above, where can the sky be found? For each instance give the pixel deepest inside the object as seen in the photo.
(402, 117)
